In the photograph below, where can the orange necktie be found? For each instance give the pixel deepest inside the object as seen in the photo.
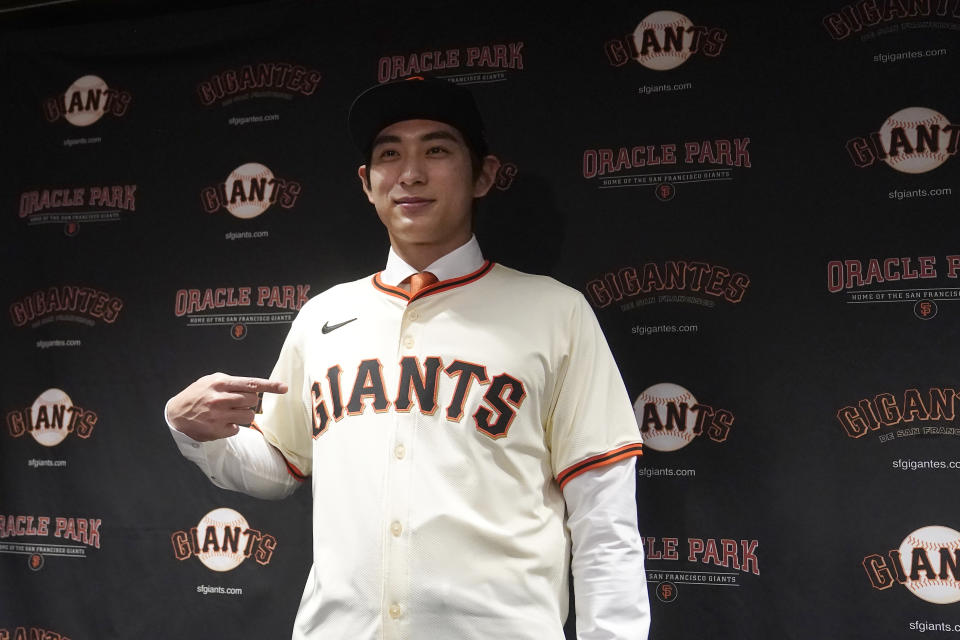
(420, 280)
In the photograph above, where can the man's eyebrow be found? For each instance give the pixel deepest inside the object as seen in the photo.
(439, 134)
(384, 140)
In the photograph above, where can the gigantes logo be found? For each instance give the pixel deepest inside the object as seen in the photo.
(912, 140)
(51, 418)
(249, 190)
(864, 14)
(65, 303)
(655, 282)
(261, 80)
(665, 40)
(670, 417)
(927, 563)
(913, 412)
(86, 100)
(222, 540)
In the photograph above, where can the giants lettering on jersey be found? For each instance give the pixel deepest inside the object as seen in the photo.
(502, 400)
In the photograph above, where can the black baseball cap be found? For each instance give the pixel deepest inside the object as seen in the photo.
(416, 98)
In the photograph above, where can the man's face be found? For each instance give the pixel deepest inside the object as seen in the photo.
(422, 186)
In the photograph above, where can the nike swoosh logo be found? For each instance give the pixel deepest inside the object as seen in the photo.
(327, 327)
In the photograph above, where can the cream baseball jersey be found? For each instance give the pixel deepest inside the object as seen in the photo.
(439, 431)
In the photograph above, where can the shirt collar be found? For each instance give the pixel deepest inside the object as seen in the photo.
(461, 261)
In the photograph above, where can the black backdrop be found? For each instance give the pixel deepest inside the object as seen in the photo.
(778, 520)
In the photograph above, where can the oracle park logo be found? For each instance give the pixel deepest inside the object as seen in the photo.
(481, 63)
(672, 563)
(671, 281)
(238, 307)
(260, 80)
(663, 166)
(912, 413)
(30, 535)
(670, 418)
(86, 101)
(250, 190)
(65, 303)
(912, 140)
(890, 16)
(904, 279)
(665, 40)
(51, 418)
(31, 633)
(222, 540)
(73, 205)
(927, 563)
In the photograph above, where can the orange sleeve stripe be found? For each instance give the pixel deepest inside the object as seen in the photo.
(628, 451)
(292, 469)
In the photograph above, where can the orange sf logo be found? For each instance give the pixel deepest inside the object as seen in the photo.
(925, 308)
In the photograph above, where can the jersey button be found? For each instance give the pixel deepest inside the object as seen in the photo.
(414, 315)
(399, 451)
(396, 529)
(395, 611)
(408, 342)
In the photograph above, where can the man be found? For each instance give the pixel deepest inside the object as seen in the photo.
(451, 413)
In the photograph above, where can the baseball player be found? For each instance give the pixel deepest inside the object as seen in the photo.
(464, 425)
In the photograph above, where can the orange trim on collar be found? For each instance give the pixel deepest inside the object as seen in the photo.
(437, 287)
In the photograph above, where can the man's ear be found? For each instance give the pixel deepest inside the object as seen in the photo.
(365, 181)
(488, 174)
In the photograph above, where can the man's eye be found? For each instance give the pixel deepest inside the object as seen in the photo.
(388, 153)
(437, 150)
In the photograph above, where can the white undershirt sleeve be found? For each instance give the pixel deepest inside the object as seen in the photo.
(609, 582)
(245, 462)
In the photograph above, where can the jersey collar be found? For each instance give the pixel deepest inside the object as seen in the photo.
(461, 266)
(462, 261)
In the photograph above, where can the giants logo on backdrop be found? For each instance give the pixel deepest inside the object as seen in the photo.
(501, 401)
(927, 563)
(670, 418)
(901, 279)
(233, 306)
(912, 140)
(71, 206)
(462, 65)
(665, 40)
(65, 303)
(86, 101)
(261, 80)
(932, 412)
(890, 16)
(668, 282)
(31, 633)
(249, 190)
(51, 418)
(222, 540)
(13, 528)
(710, 562)
(664, 166)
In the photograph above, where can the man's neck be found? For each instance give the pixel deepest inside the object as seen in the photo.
(421, 256)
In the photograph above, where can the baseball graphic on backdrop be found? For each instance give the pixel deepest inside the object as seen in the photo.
(55, 404)
(659, 22)
(659, 396)
(249, 207)
(909, 119)
(226, 558)
(932, 539)
(92, 92)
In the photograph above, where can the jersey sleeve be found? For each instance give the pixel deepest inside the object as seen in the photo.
(285, 420)
(591, 423)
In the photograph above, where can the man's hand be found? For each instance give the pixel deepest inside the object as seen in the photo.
(213, 406)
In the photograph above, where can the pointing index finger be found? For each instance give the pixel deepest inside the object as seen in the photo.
(256, 385)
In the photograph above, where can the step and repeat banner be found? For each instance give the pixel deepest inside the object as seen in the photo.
(759, 201)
